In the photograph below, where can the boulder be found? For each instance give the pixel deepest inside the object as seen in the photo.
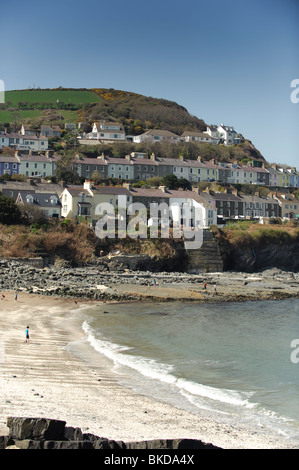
(35, 428)
(170, 444)
(68, 445)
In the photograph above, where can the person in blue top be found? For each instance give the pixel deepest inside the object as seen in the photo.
(27, 334)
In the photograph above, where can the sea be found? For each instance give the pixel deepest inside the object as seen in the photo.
(237, 362)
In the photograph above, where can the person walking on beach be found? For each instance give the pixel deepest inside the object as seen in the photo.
(27, 334)
(16, 296)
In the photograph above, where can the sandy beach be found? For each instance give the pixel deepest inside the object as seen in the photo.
(42, 379)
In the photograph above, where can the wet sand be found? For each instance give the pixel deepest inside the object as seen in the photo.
(43, 379)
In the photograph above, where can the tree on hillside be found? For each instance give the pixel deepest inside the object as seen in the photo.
(9, 211)
(184, 184)
(66, 172)
(170, 181)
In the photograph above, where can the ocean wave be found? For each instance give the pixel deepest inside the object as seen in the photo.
(152, 369)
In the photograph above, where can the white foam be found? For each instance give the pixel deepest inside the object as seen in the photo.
(162, 372)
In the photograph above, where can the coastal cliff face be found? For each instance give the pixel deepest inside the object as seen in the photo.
(253, 259)
(252, 249)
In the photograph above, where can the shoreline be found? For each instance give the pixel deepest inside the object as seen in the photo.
(45, 379)
(90, 283)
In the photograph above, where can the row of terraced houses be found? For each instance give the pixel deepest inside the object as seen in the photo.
(80, 201)
(138, 166)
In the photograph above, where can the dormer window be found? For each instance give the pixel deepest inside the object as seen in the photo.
(29, 199)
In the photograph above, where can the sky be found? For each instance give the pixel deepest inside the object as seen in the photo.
(230, 61)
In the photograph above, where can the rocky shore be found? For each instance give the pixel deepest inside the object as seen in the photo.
(94, 282)
(42, 433)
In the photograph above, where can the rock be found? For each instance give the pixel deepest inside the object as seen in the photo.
(29, 444)
(5, 441)
(170, 444)
(108, 444)
(41, 433)
(73, 434)
(35, 428)
(68, 445)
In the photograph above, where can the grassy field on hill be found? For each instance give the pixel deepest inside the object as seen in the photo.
(36, 114)
(78, 97)
(30, 105)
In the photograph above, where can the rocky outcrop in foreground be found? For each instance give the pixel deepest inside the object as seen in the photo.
(42, 433)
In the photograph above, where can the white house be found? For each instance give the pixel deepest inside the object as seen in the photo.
(157, 135)
(213, 132)
(228, 135)
(107, 132)
(24, 142)
(200, 137)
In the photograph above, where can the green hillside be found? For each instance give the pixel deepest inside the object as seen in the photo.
(136, 112)
(50, 97)
(45, 106)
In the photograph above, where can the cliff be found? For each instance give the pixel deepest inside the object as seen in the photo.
(259, 249)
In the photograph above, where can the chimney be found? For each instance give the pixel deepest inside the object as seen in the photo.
(128, 157)
(153, 157)
(163, 189)
(16, 153)
(181, 157)
(127, 186)
(88, 185)
(101, 157)
(199, 159)
(195, 190)
(49, 153)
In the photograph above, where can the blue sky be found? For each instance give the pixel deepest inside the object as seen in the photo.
(228, 62)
